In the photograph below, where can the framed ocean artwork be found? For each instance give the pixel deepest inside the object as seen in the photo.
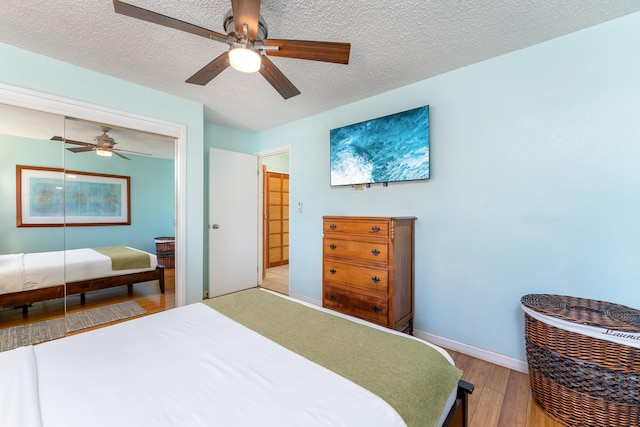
(386, 149)
(53, 197)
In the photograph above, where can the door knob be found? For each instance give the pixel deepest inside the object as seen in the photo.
(215, 226)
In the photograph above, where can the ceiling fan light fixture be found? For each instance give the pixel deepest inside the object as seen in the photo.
(244, 59)
(103, 152)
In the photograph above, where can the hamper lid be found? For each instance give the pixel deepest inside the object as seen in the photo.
(585, 311)
(165, 239)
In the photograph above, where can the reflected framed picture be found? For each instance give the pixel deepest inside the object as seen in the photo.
(53, 197)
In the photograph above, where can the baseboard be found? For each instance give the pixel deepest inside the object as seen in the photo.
(306, 299)
(478, 353)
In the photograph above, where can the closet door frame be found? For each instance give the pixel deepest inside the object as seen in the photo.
(25, 98)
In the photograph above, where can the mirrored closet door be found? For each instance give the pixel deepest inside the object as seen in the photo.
(87, 224)
(31, 256)
(119, 223)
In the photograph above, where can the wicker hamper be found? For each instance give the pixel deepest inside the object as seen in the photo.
(166, 251)
(584, 360)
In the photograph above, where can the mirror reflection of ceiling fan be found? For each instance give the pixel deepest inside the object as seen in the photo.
(104, 145)
(249, 46)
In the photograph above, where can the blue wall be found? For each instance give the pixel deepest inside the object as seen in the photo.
(277, 163)
(535, 166)
(535, 175)
(152, 184)
(24, 69)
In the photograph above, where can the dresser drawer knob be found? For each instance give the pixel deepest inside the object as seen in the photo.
(376, 309)
(375, 252)
(333, 297)
(332, 246)
(333, 271)
(375, 279)
(375, 228)
(333, 226)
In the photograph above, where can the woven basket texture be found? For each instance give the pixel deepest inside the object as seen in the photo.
(577, 379)
(585, 311)
(165, 250)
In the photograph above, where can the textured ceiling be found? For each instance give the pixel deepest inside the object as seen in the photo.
(393, 43)
(43, 126)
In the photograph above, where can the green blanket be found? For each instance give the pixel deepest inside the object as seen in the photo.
(123, 258)
(412, 377)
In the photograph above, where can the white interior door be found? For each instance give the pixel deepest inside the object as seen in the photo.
(233, 221)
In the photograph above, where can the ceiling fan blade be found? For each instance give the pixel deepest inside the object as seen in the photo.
(210, 71)
(71, 141)
(81, 149)
(246, 12)
(277, 79)
(118, 154)
(157, 18)
(314, 51)
(129, 151)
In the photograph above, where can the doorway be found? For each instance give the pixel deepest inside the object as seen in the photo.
(275, 220)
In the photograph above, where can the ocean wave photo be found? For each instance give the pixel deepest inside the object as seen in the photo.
(387, 149)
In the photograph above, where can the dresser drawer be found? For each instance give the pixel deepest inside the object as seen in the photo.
(356, 276)
(354, 304)
(373, 227)
(370, 251)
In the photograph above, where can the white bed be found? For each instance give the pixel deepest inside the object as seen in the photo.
(19, 272)
(190, 366)
(22, 275)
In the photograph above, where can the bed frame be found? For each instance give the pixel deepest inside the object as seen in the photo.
(24, 298)
(459, 414)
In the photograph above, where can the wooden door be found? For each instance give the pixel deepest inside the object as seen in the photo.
(277, 224)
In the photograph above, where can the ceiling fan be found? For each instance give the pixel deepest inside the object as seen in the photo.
(103, 146)
(249, 46)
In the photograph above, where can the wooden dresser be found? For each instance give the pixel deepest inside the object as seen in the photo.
(367, 268)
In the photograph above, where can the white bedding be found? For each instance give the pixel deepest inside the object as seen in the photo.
(19, 272)
(19, 404)
(11, 273)
(452, 397)
(192, 366)
(189, 366)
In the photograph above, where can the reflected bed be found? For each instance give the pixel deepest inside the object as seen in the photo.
(34, 277)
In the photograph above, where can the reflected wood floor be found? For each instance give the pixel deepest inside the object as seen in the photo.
(501, 398)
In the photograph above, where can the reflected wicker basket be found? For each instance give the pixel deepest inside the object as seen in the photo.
(582, 380)
(166, 251)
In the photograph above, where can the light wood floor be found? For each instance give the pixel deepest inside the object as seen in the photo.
(501, 398)
(277, 279)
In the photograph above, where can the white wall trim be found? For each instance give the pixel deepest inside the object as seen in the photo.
(26, 98)
(181, 217)
(306, 299)
(260, 155)
(273, 151)
(478, 353)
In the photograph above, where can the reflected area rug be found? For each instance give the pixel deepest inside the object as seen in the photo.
(34, 333)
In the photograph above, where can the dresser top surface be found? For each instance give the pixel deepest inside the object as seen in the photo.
(367, 218)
